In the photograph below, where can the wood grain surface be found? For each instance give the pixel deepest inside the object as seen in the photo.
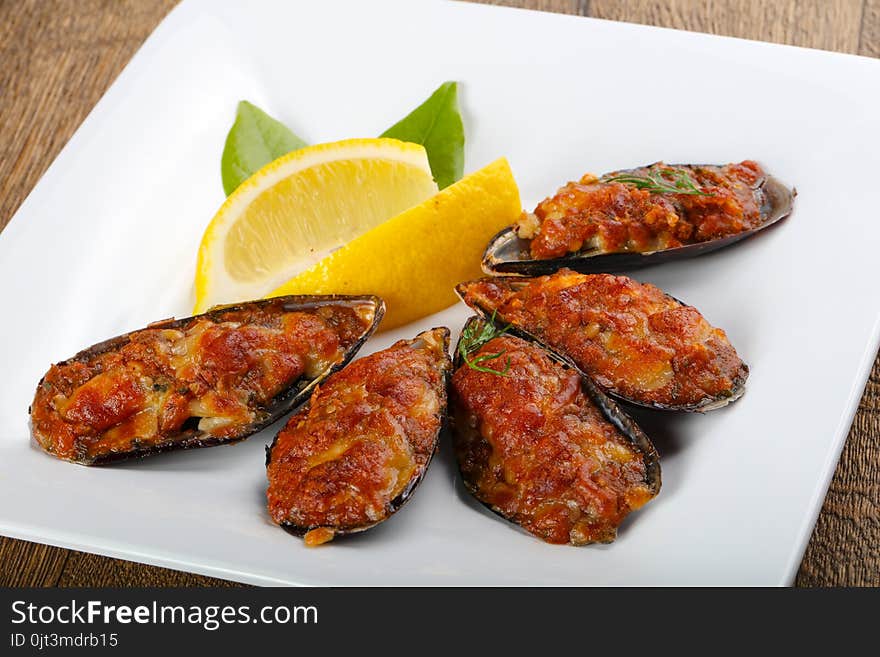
(57, 58)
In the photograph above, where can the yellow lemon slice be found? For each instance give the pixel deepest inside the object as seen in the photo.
(299, 208)
(414, 260)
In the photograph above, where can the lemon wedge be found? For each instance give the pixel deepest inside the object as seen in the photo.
(414, 260)
(299, 208)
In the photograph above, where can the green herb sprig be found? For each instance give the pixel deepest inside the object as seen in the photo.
(666, 181)
(255, 139)
(436, 124)
(474, 336)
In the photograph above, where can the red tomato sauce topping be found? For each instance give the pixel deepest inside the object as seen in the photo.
(534, 447)
(368, 435)
(216, 374)
(630, 337)
(614, 217)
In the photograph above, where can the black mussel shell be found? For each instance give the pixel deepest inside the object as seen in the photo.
(709, 404)
(283, 403)
(609, 408)
(406, 494)
(507, 253)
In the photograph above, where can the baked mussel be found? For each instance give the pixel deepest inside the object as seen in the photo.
(639, 217)
(210, 379)
(356, 454)
(538, 443)
(636, 342)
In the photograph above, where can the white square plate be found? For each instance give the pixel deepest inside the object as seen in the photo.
(107, 241)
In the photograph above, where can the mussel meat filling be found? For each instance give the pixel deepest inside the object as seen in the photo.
(635, 341)
(611, 216)
(534, 447)
(212, 375)
(356, 454)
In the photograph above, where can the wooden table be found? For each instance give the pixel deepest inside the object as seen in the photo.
(57, 58)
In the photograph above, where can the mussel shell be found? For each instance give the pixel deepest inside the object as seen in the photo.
(280, 405)
(394, 505)
(709, 404)
(610, 410)
(507, 253)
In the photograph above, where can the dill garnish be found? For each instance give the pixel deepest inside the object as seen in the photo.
(474, 336)
(665, 181)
